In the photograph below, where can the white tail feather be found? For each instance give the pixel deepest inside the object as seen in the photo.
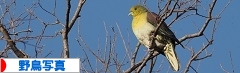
(169, 52)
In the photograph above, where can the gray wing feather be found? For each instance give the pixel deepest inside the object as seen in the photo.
(164, 30)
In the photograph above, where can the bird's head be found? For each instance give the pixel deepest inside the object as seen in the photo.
(137, 10)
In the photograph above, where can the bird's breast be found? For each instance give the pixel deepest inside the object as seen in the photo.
(143, 33)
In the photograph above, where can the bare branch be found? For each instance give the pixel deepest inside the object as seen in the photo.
(69, 25)
(124, 43)
(200, 33)
(87, 58)
(142, 63)
(76, 14)
(224, 69)
(230, 54)
(135, 54)
(11, 43)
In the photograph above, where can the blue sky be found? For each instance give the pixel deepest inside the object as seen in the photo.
(95, 13)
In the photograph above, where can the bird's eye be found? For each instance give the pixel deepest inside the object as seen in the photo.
(135, 8)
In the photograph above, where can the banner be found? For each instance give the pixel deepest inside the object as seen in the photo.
(59, 65)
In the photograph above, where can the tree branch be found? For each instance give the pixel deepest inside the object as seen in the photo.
(69, 25)
(200, 33)
(11, 43)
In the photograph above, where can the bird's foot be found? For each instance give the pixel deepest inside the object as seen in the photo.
(150, 49)
(151, 40)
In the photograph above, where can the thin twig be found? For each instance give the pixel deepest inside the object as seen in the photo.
(144, 60)
(69, 25)
(124, 43)
(135, 54)
(231, 61)
(200, 33)
(223, 69)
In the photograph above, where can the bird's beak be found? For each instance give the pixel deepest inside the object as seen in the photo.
(130, 13)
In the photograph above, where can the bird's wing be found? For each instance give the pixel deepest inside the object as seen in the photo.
(164, 30)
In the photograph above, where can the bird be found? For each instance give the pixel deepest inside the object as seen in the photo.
(144, 23)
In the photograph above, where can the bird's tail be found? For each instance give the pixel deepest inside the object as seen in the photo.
(169, 51)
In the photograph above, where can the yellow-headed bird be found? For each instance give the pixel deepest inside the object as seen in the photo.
(144, 23)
